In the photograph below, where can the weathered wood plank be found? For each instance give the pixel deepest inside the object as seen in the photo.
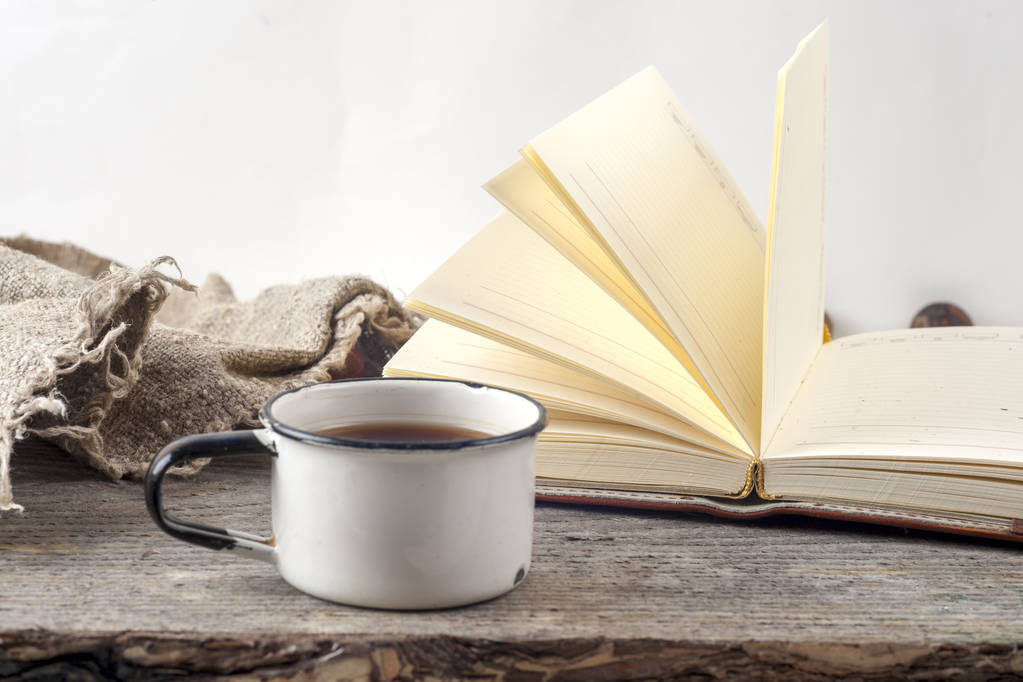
(85, 569)
(157, 656)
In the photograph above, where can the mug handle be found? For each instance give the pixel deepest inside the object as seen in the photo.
(208, 445)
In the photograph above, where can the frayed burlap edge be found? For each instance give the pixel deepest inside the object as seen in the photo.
(94, 342)
(365, 320)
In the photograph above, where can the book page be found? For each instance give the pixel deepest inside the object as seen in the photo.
(947, 394)
(523, 192)
(564, 427)
(510, 285)
(794, 288)
(637, 170)
(595, 454)
(441, 350)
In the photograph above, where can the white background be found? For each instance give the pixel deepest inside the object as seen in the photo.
(273, 142)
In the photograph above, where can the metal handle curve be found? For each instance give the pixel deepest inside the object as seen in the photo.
(207, 445)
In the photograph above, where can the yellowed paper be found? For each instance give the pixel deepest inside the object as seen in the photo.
(523, 192)
(605, 454)
(794, 290)
(664, 207)
(441, 350)
(938, 394)
(510, 285)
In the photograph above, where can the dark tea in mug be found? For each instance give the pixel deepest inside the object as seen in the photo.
(403, 432)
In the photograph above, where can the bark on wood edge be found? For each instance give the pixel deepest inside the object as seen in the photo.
(43, 654)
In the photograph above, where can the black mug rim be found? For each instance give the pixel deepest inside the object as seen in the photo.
(295, 433)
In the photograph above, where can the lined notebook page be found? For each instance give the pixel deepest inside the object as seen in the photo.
(794, 290)
(616, 456)
(523, 192)
(441, 350)
(563, 428)
(945, 395)
(511, 285)
(664, 205)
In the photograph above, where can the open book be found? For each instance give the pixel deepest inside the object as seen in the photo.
(678, 344)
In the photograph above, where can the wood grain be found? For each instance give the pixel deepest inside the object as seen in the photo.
(90, 586)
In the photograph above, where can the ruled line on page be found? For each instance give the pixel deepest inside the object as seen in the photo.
(750, 399)
(715, 419)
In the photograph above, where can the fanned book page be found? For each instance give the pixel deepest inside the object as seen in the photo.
(597, 435)
(509, 284)
(441, 350)
(636, 170)
(523, 192)
(925, 418)
(794, 289)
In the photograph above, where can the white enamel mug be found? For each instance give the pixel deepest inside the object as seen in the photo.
(394, 525)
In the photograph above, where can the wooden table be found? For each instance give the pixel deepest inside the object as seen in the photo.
(89, 587)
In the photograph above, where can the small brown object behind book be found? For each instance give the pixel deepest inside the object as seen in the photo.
(941, 315)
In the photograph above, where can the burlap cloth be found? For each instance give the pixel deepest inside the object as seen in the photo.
(111, 363)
